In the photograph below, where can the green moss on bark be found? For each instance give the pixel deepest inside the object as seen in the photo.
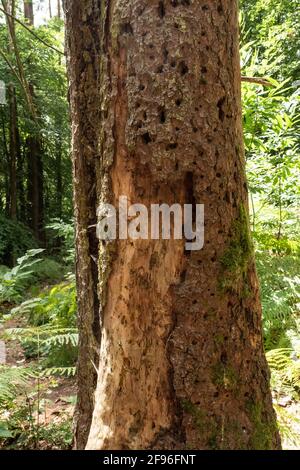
(263, 431)
(238, 256)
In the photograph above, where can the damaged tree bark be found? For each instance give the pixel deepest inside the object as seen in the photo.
(156, 111)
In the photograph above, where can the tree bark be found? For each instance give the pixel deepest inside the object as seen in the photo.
(182, 364)
(14, 150)
(28, 11)
(58, 9)
(84, 80)
(35, 186)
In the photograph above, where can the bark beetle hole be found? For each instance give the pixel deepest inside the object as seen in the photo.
(176, 166)
(146, 138)
(221, 111)
(165, 54)
(178, 102)
(162, 115)
(173, 64)
(204, 69)
(175, 3)
(218, 175)
(172, 146)
(205, 7)
(142, 87)
(183, 68)
(224, 358)
(126, 28)
(220, 9)
(161, 10)
(160, 69)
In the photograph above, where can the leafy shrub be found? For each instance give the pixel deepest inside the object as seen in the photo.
(48, 270)
(285, 366)
(15, 239)
(56, 306)
(13, 380)
(14, 282)
(66, 234)
(280, 290)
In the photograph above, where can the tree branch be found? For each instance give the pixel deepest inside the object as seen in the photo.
(257, 80)
(32, 32)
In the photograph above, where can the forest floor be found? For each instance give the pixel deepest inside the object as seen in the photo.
(55, 401)
(49, 402)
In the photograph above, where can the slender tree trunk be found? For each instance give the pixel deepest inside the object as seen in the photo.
(50, 9)
(28, 11)
(5, 166)
(35, 186)
(13, 150)
(182, 364)
(35, 160)
(58, 175)
(58, 9)
(21, 171)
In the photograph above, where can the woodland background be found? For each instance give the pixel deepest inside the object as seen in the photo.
(38, 342)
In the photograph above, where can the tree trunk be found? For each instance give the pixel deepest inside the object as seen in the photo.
(85, 99)
(28, 11)
(35, 186)
(58, 173)
(5, 166)
(50, 9)
(13, 151)
(58, 9)
(35, 160)
(182, 364)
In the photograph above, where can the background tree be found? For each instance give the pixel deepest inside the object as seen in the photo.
(34, 67)
(181, 357)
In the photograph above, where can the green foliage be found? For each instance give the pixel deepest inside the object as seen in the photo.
(66, 234)
(280, 288)
(13, 381)
(14, 282)
(15, 239)
(285, 365)
(58, 436)
(56, 306)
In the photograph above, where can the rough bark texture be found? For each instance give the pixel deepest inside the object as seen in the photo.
(82, 41)
(181, 360)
